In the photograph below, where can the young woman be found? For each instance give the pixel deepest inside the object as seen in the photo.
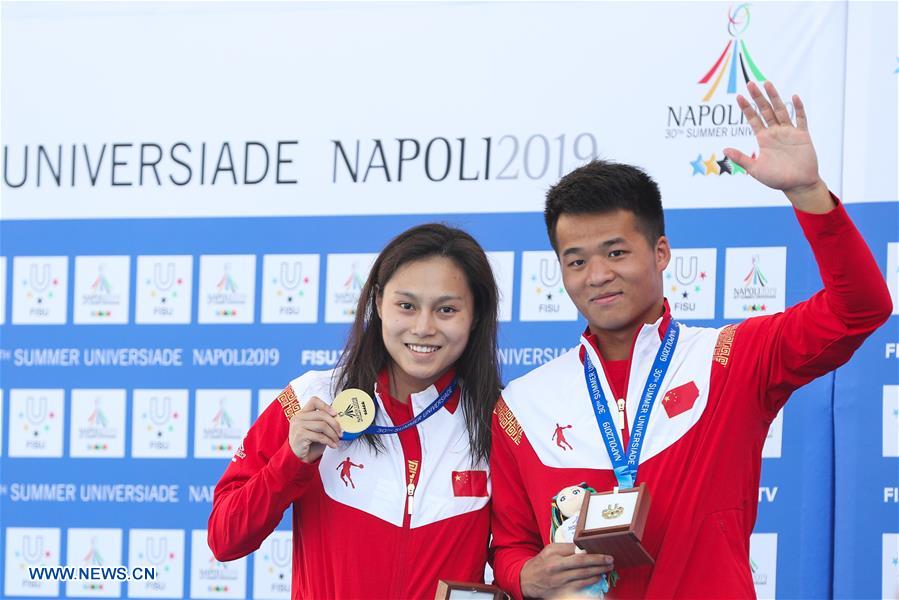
(385, 515)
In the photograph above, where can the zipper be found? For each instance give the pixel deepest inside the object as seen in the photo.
(412, 473)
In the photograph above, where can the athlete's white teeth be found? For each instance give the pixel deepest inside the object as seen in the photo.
(423, 349)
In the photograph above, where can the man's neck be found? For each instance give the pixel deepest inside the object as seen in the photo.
(617, 344)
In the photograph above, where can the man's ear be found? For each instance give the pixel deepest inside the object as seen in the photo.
(662, 253)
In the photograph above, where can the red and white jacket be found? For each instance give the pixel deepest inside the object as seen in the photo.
(701, 459)
(365, 524)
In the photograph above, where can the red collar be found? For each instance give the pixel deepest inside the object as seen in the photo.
(444, 380)
(591, 339)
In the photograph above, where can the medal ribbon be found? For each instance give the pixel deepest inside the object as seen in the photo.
(625, 466)
(433, 407)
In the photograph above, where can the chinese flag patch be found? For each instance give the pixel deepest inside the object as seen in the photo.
(470, 483)
(680, 399)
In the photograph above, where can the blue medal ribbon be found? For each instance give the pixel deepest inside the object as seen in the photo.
(429, 411)
(625, 464)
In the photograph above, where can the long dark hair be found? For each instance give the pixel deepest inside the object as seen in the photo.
(477, 368)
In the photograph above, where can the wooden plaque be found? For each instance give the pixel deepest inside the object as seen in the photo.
(625, 512)
(459, 590)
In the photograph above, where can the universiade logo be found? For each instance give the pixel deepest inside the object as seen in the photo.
(37, 419)
(735, 58)
(160, 414)
(710, 119)
(755, 288)
(41, 285)
(548, 278)
(227, 293)
(352, 287)
(164, 286)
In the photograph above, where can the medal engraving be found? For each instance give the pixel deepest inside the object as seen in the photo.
(355, 410)
(612, 511)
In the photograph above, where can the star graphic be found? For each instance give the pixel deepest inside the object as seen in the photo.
(698, 169)
(735, 168)
(702, 275)
(724, 166)
(549, 296)
(458, 478)
(162, 301)
(711, 165)
(763, 307)
(685, 295)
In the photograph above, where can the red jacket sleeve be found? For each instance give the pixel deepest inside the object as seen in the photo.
(516, 537)
(817, 336)
(261, 481)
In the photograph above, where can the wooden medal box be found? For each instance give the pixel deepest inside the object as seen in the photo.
(613, 523)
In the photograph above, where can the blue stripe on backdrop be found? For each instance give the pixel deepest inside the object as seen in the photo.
(796, 500)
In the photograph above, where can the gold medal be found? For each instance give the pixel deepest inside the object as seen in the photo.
(355, 411)
(613, 511)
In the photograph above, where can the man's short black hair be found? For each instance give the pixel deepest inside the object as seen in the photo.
(601, 187)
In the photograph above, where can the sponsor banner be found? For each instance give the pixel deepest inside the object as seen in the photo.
(264, 397)
(891, 421)
(93, 548)
(210, 578)
(163, 290)
(159, 423)
(754, 282)
(227, 288)
(543, 296)
(345, 277)
(763, 563)
(164, 550)
(272, 567)
(102, 286)
(290, 288)
(890, 566)
(40, 290)
(28, 547)
(36, 423)
(870, 117)
(503, 266)
(690, 283)
(311, 154)
(222, 418)
(97, 424)
(774, 439)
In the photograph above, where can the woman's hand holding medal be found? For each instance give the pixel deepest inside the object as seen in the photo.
(313, 428)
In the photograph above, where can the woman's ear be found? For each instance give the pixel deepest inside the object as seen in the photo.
(378, 299)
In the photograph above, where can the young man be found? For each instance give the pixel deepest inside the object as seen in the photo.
(699, 451)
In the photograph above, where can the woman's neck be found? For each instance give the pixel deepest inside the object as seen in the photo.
(402, 386)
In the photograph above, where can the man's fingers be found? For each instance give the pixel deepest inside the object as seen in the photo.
(751, 116)
(801, 120)
(559, 549)
(579, 575)
(780, 110)
(740, 158)
(764, 106)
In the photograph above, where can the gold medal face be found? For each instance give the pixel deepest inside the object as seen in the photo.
(613, 511)
(355, 410)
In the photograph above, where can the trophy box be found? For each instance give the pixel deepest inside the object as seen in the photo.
(613, 522)
(457, 590)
